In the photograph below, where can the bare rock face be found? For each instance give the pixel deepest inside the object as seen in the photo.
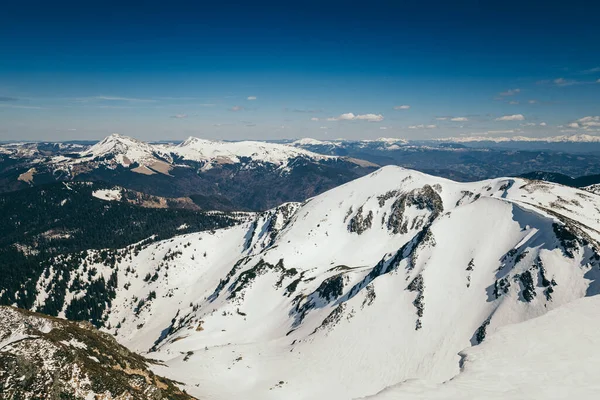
(425, 198)
(47, 358)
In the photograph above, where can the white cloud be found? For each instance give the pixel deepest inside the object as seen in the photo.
(383, 127)
(322, 127)
(513, 102)
(359, 117)
(402, 107)
(251, 98)
(421, 126)
(528, 124)
(441, 118)
(532, 101)
(459, 119)
(179, 116)
(586, 123)
(236, 108)
(514, 117)
(314, 119)
(510, 92)
(543, 124)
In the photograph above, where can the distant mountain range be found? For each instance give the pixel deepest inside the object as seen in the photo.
(254, 175)
(218, 175)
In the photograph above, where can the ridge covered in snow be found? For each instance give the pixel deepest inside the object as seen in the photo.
(382, 280)
(196, 149)
(579, 138)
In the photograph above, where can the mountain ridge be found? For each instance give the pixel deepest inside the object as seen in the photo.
(397, 269)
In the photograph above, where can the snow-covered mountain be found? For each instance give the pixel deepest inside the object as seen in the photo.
(237, 175)
(577, 138)
(374, 144)
(118, 150)
(379, 281)
(216, 152)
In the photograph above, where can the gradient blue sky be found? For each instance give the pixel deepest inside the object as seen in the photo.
(270, 70)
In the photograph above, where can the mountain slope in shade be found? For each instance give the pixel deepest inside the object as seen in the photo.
(384, 279)
(554, 356)
(44, 357)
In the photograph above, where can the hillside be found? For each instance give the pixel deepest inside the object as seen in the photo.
(49, 358)
(398, 270)
(49, 220)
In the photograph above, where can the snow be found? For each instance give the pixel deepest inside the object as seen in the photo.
(126, 150)
(108, 194)
(593, 189)
(334, 313)
(579, 138)
(554, 356)
(196, 149)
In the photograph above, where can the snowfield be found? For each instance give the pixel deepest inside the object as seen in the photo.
(554, 356)
(108, 194)
(376, 287)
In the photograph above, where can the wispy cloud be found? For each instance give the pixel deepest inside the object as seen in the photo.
(501, 132)
(359, 117)
(179, 116)
(402, 107)
(8, 99)
(510, 92)
(532, 101)
(594, 70)
(119, 98)
(513, 102)
(459, 119)
(314, 119)
(514, 117)
(562, 82)
(236, 108)
(301, 110)
(421, 126)
(251, 98)
(5, 105)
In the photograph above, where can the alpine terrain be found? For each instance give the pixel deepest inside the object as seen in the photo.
(393, 285)
(215, 175)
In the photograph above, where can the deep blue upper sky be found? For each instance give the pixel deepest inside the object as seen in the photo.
(165, 70)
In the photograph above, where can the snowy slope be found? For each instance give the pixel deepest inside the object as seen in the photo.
(209, 151)
(378, 281)
(555, 356)
(125, 151)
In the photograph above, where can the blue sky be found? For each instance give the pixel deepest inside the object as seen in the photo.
(270, 70)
